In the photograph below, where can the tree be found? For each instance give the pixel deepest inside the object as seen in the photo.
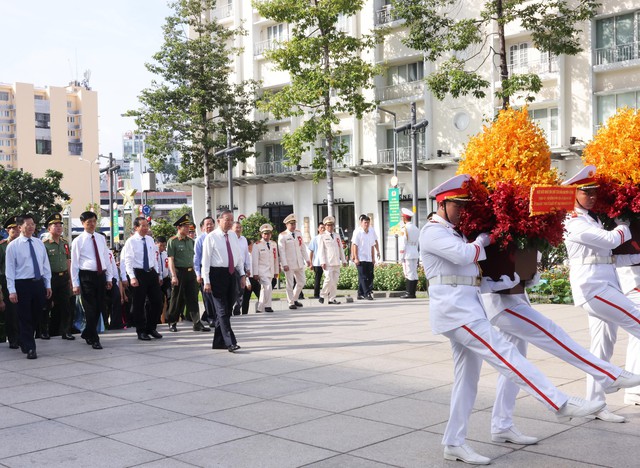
(162, 227)
(435, 29)
(194, 104)
(251, 227)
(328, 74)
(21, 193)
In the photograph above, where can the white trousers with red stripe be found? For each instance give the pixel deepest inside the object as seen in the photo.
(523, 324)
(476, 342)
(608, 311)
(632, 363)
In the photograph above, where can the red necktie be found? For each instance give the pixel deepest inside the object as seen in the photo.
(95, 248)
(230, 255)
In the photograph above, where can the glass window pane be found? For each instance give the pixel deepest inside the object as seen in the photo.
(606, 108)
(604, 33)
(626, 100)
(624, 29)
(402, 74)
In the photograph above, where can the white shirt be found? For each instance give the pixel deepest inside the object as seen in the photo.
(133, 254)
(586, 237)
(83, 256)
(365, 241)
(445, 252)
(19, 265)
(214, 252)
(244, 247)
(163, 264)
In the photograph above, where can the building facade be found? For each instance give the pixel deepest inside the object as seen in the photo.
(579, 93)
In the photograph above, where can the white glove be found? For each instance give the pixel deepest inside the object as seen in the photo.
(483, 239)
(622, 222)
(487, 285)
(533, 281)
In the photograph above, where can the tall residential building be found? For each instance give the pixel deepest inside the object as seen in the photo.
(579, 93)
(52, 128)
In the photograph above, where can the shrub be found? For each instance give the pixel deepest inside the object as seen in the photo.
(554, 287)
(388, 277)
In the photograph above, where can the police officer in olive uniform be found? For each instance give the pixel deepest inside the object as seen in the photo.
(58, 307)
(10, 318)
(184, 284)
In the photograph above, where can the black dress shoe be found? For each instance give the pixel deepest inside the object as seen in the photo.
(232, 349)
(361, 297)
(201, 328)
(268, 309)
(297, 303)
(144, 337)
(236, 346)
(293, 306)
(370, 297)
(321, 300)
(45, 336)
(96, 345)
(333, 302)
(89, 342)
(173, 328)
(155, 334)
(31, 354)
(68, 336)
(14, 345)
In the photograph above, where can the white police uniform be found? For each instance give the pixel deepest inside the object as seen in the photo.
(408, 247)
(331, 255)
(264, 258)
(293, 255)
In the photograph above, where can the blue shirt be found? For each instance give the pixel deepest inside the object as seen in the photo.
(313, 246)
(19, 264)
(197, 256)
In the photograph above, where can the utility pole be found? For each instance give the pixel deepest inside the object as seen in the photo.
(394, 179)
(229, 151)
(110, 170)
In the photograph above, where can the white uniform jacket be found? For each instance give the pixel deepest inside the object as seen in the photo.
(589, 248)
(330, 252)
(408, 242)
(445, 252)
(628, 271)
(293, 252)
(264, 259)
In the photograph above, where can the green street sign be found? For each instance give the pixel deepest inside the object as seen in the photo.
(394, 209)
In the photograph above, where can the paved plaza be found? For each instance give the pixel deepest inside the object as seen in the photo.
(362, 384)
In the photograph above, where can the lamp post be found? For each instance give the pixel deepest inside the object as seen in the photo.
(110, 170)
(229, 151)
(395, 164)
(95, 161)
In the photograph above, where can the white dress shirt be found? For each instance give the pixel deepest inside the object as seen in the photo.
(19, 265)
(365, 242)
(133, 254)
(163, 264)
(214, 253)
(244, 247)
(83, 256)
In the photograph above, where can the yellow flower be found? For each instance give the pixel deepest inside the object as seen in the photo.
(512, 149)
(615, 150)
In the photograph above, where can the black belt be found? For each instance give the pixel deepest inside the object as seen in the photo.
(141, 270)
(185, 268)
(30, 280)
(93, 272)
(60, 273)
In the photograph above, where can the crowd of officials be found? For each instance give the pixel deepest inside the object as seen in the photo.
(51, 287)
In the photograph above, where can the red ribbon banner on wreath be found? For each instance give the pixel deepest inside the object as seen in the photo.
(551, 198)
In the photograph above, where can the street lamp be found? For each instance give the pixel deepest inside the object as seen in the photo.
(110, 169)
(394, 180)
(95, 161)
(229, 151)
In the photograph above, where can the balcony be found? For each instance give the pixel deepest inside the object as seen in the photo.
(399, 91)
(274, 135)
(621, 53)
(385, 15)
(272, 167)
(537, 67)
(385, 156)
(269, 117)
(223, 12)
(259, 48)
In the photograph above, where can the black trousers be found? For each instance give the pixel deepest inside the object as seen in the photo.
(10, 314)
(317, 284)
(93, 287)
(148, 286)
(223, 295)
(185, 293)
(246, 294)
(31, 301)
(58, 316)
(365, 279)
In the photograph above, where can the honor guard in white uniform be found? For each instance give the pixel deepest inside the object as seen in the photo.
(331, 256)
(511, 312)
(409, 255)
(264, 259)
(294, 258)
(628, 271)
(456, 311)
(594, 282)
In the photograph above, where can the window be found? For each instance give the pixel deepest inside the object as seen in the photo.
(617, 39)
(519, 56)
(75, 149)
(42, 120)
(38, 97)
(276, 33)
(4, 96)
(608, 105)
(43, 146)
(547, 120)
(274, 152)
(406, 73)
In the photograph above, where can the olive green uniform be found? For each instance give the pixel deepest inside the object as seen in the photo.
(58, 307)
(186, 291)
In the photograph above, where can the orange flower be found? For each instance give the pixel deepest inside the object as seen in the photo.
(615, 150)
(512, 149)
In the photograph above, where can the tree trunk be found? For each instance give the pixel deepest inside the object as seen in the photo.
(504, 69)
(329, 138)
(207, 183)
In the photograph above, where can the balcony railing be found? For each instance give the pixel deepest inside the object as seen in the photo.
(385, 15)
(272, 167)
(223, 12)
(273, 135)
(385, 156)
(537, 67)
(259, 48)
(412, 88)
(616, 54)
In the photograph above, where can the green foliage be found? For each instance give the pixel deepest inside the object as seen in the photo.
(194, 104)
(251, 227)
(176, 214)
(328, 75)
(437, 29)
(553, 257)
(388, 277)
(21, 193)
(348, 277)
(162, 227)
(554, 287)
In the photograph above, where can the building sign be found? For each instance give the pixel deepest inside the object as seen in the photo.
(275, 203)
(394, 210)
(550, 198)
(335, 201)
